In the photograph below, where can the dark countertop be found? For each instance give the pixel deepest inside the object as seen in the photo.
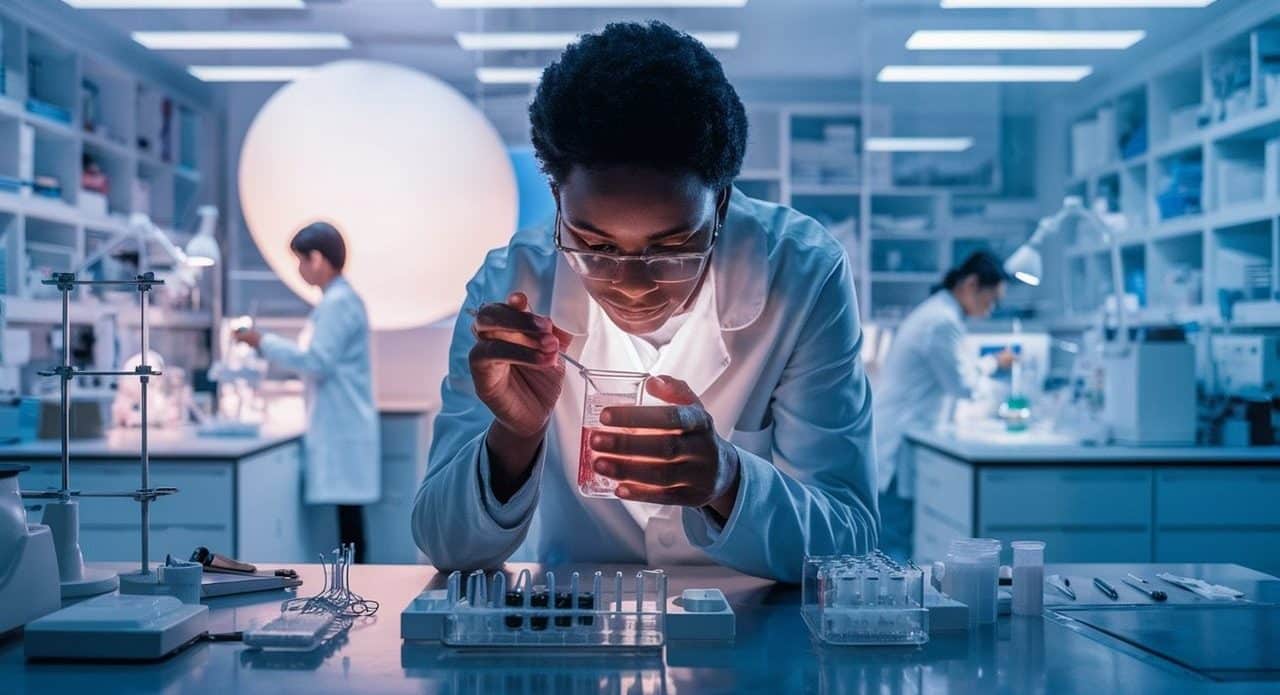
(1012, 449)
(772, 653)
(168, 443)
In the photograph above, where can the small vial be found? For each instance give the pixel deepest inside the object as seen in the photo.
(1028, 577)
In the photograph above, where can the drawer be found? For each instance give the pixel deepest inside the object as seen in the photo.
(1065, 497)
(1218, 497)
(944, 485)
(403, 434)
(1075, 545)
(121, 543)
(1257, 549)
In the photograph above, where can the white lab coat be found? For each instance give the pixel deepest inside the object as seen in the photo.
(924, 374)
(342, 462)
(777, 366)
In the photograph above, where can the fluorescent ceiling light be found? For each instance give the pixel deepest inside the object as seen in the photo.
(555, 41)
(239, 40)
(1023, 40)
(248, 73)
(1100, 4)
(983, 73)
(187, 4)
(509, 75)
(919, 144)
(609, 4)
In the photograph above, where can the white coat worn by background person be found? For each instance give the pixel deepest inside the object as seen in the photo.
(342, 461)
(773, 354)
(916, 389)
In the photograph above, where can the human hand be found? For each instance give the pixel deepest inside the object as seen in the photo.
(668, 454)
(1006, 358)
(515, 365)
(248, 336)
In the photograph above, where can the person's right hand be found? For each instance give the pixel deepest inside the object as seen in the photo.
(1006, 358)
(515, 366)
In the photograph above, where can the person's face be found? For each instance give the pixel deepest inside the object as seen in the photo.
(627, 211)
(313, 267)
(978, 301)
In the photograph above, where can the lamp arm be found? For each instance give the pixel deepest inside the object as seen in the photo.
(1075, 209)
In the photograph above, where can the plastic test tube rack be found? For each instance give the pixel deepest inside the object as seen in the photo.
(864, 600)
(596, 615)
(63, 512)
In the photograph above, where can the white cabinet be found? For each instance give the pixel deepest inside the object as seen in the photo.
(271, 526)
(1155, 512)
(405, 438)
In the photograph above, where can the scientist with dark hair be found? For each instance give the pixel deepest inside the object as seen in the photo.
(758, 448)
(341, 463)
(924, 374)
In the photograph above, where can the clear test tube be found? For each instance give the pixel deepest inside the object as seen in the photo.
(1028, 577)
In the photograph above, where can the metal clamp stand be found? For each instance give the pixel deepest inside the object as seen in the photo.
(62, 515)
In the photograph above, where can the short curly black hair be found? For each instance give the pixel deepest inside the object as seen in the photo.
(641, 95)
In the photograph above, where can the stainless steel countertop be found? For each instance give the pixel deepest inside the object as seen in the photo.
(164, 443)
(772, 653)
(1005, 452)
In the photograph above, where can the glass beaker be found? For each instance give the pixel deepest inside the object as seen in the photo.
(604, 388)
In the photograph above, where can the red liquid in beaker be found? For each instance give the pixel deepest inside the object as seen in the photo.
(590, 483)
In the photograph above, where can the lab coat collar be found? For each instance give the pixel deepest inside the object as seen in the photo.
(950, 304)
(740, 265)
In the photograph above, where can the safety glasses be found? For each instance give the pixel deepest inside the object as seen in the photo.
(662, 268)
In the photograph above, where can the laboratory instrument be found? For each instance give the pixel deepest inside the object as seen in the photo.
(486, 613)
(1145, 587)
(1062, 584)
(1201, 588)
(604, 388)
(1106, 589)
(62, 508)
(239, 375)
(864, 600)
(176, 578)
(971, 575)
(116, 626)
(1028, 577)
(28, 564)
(306, 623)
(1246, 364)
(1150, 392)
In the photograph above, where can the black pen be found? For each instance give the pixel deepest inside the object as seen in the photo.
(1106, 589)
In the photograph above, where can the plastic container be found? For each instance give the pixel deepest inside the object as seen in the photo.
(603, 389)
(864, 600)
(972, 577)
(1028, 577)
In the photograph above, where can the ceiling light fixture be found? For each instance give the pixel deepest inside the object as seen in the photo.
(983, 73)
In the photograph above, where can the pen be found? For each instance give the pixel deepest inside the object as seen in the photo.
(1106, 589)
(1145, 587)
(1062, 584)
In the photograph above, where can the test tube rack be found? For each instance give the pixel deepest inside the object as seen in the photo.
(864, 600)
(598, 615)
(62, 512)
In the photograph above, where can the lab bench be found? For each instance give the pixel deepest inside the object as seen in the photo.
(236, 495)
(240, 496)
(1100, 503)
(772, 652)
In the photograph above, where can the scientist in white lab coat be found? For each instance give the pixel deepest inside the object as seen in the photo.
(743, 311)
(924, 374)
(341, 444)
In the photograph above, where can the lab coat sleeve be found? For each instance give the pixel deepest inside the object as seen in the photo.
(818, 494)
(456, 520)
(335, 323)
(957, 375)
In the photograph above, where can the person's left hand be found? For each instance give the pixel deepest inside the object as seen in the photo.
(668, 454)
(248, 336)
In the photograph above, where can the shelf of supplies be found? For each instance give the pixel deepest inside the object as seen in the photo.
(1244, 214)
(43, 247)
(1265, 121)
(51, 126)
(761, 175)
(913, 277)
(51, 209)
(1178, 226)
(111, 146)
(1182, 143)
(832, 189)
(23, 310)
(1109, 169)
